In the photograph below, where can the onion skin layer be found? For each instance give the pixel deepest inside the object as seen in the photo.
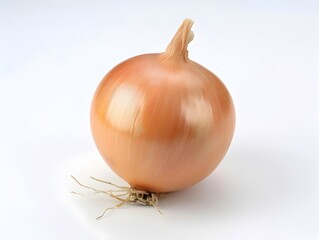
(162, 124)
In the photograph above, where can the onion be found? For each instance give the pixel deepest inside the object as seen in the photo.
(161, 121)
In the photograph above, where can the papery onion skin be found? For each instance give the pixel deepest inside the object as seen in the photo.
(162, 123)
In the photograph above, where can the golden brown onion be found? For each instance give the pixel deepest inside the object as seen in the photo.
(161, 121)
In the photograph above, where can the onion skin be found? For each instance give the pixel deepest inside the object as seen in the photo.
(161, 121)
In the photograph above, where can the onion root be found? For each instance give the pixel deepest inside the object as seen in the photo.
(125, 195)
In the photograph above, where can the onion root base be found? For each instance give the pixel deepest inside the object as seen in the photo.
(124, 195)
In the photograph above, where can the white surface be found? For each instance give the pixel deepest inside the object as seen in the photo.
(53, 55)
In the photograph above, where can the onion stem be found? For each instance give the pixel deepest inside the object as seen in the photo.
(177, 48)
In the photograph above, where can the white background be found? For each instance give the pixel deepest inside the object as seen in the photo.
(52, 57)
